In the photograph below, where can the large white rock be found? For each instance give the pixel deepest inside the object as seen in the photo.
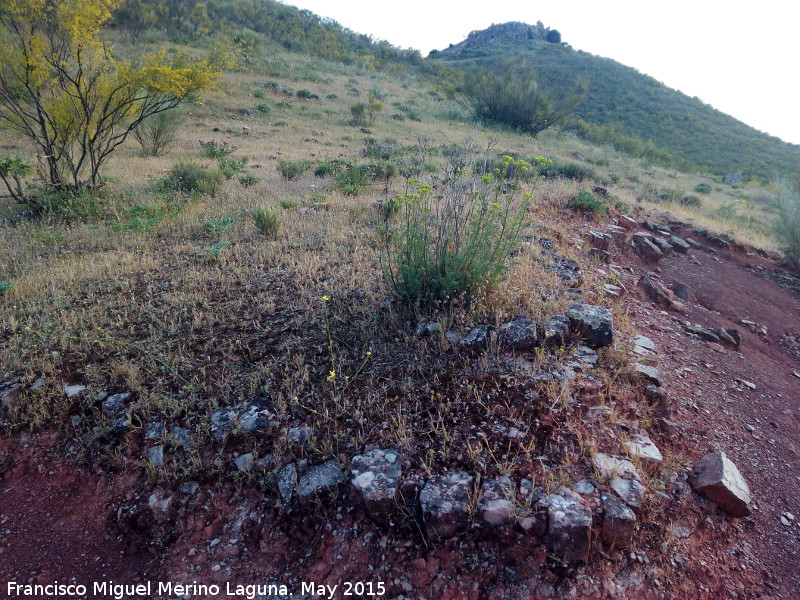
(718, 479)
(642, 447)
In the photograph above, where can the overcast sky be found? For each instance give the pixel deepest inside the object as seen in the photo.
(740, 58)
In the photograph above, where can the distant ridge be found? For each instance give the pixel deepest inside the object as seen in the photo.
(631, 110)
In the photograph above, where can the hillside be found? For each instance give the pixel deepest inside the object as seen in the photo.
(630, 104)
(211, 373)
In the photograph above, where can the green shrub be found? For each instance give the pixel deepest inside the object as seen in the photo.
(190, 178)
(215, 227)
(454, 245)
(328, 168)
(264, 109)
(158, 132)
(352, 180)
(144, 217)
(5, 286)
(787, 226)
(292, 169)
(288, 204)
(304, 94)
(692, 201)
(215, 150)
(266, 221)
(358, 111)
(229, 166)
(248, 180)
(702, 188)
(571, 170)
(588, 202)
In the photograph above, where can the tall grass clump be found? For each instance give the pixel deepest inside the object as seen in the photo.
(787, 226)
(190, 178)
(266, 221)
(158, 132)
(452, 246)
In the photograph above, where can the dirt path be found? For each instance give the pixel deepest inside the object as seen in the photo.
(757, 428)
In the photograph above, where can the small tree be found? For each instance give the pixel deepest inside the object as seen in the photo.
(554, 36)
(511, 95)
(62, 88)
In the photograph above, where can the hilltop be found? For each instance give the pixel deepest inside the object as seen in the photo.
(629, 109)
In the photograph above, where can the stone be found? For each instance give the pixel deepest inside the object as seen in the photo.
(299, 435)
(660, 401)
(569, 525)
(189, 488)
(425, 329)
(622, 477)
(701, 332)
(650, 374)
(619, 234)
(656, 292)
(643, 345)
(155, 430)
(600, 191)
(568, 270)
(683, 291)
(600, 241)
(601, 255)
(717, 478)
(113, 404)
(694, 243)
(319, 481)
(627, 223)
(593, 323)
(732, 178)
(287, 481)
(121, 424)
(642, 447)
(180, 436)
(244, 462)
(375, 479)
(73, 391)
(496, 505)
(554, 332)
(583, 487)
(155, 455)
(630, 491)
(619, 523)
(222, 422)
(680, 245)
(520, 334)
(477, 338)
(445, 500)
(586, 355)
(256, 416)
(647, 249)
(730, 337)
(663, 245)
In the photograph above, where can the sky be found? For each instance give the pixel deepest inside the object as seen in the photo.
(739, 58)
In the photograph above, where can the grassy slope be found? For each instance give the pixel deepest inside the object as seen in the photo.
(192, 314)
(642, 107)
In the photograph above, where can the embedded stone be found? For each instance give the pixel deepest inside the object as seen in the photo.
(701, 332)
(681, 245)
(630, 491)
(663, 245)
(180, 436)
(319, 481)
(519, 334)
(569, 525)
(244, 462)
(643, 346)
(154, 430)
(496, 505)
(375, 479)
(477, 337)
(155, 455)
(445, 500)
(619, 522)
(622, 477)
(656, 292)
(593, 323)
(72, 391)
(255, 416)
(650, 374)
(554, 332)
(222, 422)
(299, 435)
(647, 249)
(113, 404)
(683, 291)
(717, 478)
(642, 447)
(287, 481)
(600, 241)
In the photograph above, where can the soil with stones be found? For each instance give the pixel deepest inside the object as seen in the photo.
(60, 521)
